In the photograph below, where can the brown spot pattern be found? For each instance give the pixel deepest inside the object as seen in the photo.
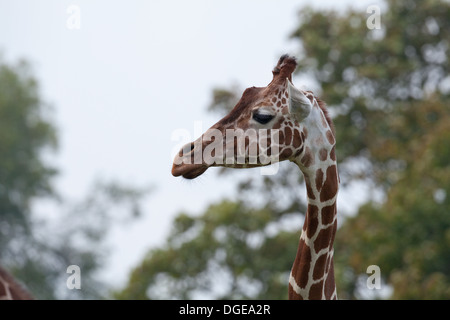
(319, 179)
(329, 282)
(330, 137)
(333, 154)
(312, 220)
(303, 261)
(328, 214)
(315, 293)
(286, 153)
(323, 238)
(323, 154)
(319, 267)
(288, 135)
(331, 182)
(309, 190)
(297, 139)
(308, 158)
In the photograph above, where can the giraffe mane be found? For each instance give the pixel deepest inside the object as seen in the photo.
(323, 106)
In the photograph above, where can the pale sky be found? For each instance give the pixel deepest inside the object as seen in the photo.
(135, 72)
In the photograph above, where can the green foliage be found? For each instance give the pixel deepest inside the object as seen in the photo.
(388, 90)
(224, 99)
(392, 106)
(25, 132)
(230, 252)
(370, 77)
(38, 251)
(408, 235)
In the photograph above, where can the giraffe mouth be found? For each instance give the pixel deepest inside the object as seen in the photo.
(188, 171)
(185, 164)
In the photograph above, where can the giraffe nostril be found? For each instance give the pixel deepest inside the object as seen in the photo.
(187, 149)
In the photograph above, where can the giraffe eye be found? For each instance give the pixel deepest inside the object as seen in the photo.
(262, 118)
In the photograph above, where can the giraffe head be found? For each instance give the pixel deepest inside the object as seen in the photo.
(269, 124)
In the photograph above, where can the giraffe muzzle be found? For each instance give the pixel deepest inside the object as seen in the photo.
(185, 163)
(188, 171)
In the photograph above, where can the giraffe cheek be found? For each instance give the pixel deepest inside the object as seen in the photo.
(297, 139)
(286, 154)
(281, 139)
(278, 124)
(288, 136)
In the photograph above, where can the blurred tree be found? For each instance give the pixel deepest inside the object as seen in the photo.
(25, 133)
(388, 91)
(369, 77)
(408, 235)
(231, 251)
(38, 250)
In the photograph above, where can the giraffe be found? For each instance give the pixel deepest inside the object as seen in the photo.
(10, 289)
(295, 126)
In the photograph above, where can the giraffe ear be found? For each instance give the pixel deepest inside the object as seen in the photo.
(299, 105)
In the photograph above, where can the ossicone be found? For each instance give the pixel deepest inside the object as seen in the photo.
(284, 68)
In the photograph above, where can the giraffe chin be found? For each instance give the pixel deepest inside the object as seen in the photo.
(188, 171)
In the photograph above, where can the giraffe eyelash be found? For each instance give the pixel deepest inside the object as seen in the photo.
(262, 118)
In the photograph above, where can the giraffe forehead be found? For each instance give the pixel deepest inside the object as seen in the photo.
(264, 109)
(272, 99)
(268, 104)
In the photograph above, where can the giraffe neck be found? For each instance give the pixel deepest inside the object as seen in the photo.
(312, 274)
